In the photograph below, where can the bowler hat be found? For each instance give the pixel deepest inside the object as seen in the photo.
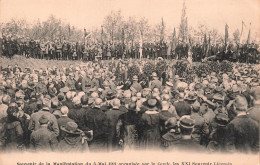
(152, 103)
(187, 122)
(43, 119)
(221, 119)
(71, 128)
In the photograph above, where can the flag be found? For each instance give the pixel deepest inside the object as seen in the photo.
(249, 35)
(205, 45)
(209, 47)
(173, 45)
(241, 34)
(162, 32)
(85, 32)
(226, 34)
(102, 33)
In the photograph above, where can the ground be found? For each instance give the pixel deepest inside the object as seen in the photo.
(24, 62)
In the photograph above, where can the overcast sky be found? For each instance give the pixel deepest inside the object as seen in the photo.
(91, 13)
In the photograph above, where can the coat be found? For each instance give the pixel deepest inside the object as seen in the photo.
(126, 129)
(95, 120)
(73, 144)
(182, 108)
(168, 139)
(112, 117)
(62, 121)
(53, 124)
(187, 145)
(254, 112)
(200, 129)
(150, 124)
(43, 140)
(78, 115)
(12, 134)
(242, 135)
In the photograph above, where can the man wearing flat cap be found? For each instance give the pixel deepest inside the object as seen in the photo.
(43, 139)
(187, 143)
(173, 134)
(218, 129)
(52, 121)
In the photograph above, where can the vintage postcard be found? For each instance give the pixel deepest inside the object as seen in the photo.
(129, 82)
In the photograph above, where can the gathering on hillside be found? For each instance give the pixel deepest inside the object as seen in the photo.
(107, 106)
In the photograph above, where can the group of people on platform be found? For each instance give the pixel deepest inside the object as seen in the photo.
(90, 51)
(84, 108)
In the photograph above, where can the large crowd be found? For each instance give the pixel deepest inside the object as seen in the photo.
(90, 51)
(87, 108)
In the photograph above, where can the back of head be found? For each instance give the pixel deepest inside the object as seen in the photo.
(256, 93)
(84, 100)
(240, 103)
(69, 95)
(64, 110)
(6, 99)
(76, 100)
(116, 103)
(98, 102)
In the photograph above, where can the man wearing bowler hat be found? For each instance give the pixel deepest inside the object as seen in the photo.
(74, 140)
(187, 143)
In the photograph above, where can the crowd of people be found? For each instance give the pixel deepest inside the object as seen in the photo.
(90, 51)
(85, 108)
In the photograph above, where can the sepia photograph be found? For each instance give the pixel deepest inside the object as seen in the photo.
(129, 82)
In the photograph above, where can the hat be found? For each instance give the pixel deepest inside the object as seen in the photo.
(171, 122)
(105, 83)
(186, 122)
(45, 107)
(152, 103)
(154, 74)
(43, 119)
(132, 106)
(221, 119)
(54, 102)
(169, 84)
(165, 105)
(196, 106)
(191, 96)
(135, 78)
(12, 109)
(110, 95)
(57, 113)
(218, 97)
(197, 86)
(71, 128)
(64, 90)
(76, 100)
(218, 89)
